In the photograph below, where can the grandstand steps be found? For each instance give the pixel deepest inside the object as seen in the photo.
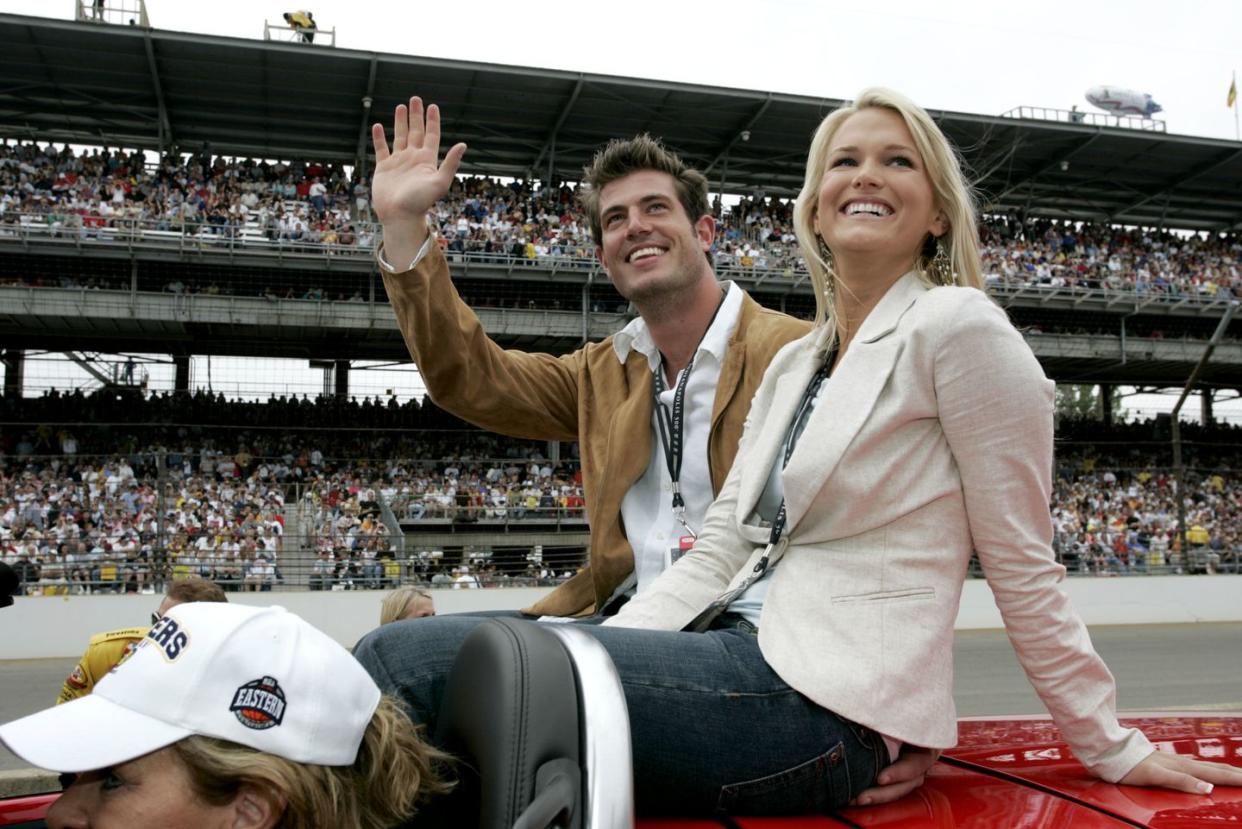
(299, 549)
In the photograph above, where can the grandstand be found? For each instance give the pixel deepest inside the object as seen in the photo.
(177, 232)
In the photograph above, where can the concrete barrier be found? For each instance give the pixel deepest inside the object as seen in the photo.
(38, 627)
(1124, 600)
(25, 782)
(58, 626)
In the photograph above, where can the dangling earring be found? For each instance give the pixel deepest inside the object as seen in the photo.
(825, 253)
(941, 267)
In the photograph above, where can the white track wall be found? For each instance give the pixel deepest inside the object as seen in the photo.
(58, 626)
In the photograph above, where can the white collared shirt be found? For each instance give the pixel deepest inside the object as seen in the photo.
(647, 508)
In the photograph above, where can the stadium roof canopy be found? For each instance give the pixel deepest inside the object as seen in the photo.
(97, 83)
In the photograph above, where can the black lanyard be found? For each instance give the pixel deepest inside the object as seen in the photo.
(704, 620)
(796, 427)
(672, 423)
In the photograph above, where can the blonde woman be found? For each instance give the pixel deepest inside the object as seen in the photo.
(407, 602)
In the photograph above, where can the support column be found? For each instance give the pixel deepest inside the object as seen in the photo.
(1205, 401)
(181, 379)
(342, 380)
(1106, 403)
(14, 373)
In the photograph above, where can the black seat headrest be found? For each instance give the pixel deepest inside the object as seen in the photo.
(511, 709)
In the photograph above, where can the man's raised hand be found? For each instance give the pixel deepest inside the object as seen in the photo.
(409, 178)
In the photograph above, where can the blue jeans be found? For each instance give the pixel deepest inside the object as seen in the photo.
(713, 728)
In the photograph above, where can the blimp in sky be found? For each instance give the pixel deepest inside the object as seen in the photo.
(1120, 101)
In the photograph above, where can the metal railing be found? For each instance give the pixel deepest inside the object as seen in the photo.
(204, 238)
(168, 234)
(110, 575)
(1093, 119)
(113, 12)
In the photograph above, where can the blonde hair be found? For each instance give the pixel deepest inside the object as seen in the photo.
(952, 194)
(394, 774)
(398, 602)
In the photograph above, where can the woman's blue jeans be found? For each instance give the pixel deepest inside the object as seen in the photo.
(713, 728)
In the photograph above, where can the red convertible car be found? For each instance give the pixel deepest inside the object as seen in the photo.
(1012, 773)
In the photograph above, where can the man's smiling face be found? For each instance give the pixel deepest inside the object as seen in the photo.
(651, 248)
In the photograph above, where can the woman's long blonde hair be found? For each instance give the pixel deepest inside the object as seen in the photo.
(952, 195)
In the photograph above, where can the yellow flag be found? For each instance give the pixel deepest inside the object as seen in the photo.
(1233, 93)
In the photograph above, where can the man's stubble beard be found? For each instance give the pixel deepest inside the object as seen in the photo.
(664, 297)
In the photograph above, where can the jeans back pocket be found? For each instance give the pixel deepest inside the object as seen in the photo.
(817, 786)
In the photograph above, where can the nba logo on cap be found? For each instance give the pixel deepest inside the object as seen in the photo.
(260, 704)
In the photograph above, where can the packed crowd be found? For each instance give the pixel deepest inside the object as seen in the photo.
(310, 203)
(219, 456)
(170, 415)
(341, 513)
(75, 525)
(135, 492)
(101, 189)
(1072, 255)
(1115, 500)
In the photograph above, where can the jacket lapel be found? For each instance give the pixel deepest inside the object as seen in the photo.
(734, 361)
(848, 398)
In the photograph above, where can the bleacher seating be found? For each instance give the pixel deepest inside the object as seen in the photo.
(101, 195)
(199, 485)
(171, 486)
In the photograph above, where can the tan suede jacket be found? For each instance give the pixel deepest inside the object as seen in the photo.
(587, 396)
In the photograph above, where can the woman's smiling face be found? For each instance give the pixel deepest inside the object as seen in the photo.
(875, 197)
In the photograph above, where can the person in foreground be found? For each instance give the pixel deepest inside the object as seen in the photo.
(912, 426)
(232, 716)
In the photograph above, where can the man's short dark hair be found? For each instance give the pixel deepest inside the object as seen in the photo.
(620, 157)
(195, 589)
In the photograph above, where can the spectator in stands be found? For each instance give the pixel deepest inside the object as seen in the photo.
(107, 650)
(302, 22)
(323, 571)
(318, 191)
(407, 602)
(260, 574)
(308, 739)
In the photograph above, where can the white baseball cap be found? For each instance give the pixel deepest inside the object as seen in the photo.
(258, 676)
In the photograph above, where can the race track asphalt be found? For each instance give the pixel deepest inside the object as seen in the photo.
(1158, 667)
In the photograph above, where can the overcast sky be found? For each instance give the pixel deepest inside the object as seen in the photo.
(964, 55)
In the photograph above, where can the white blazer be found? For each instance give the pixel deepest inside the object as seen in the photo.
(932, 437)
